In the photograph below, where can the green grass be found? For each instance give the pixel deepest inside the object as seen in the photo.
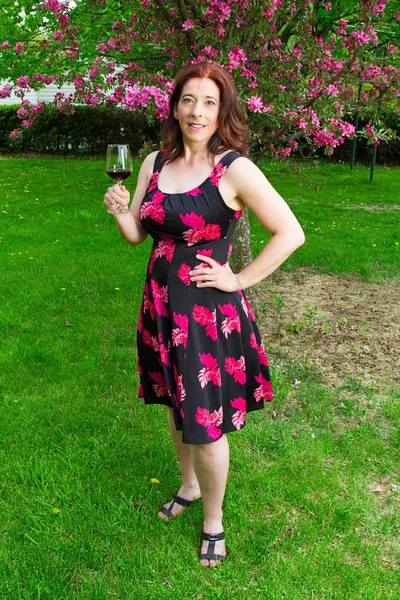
(78, 449)
(342, 235)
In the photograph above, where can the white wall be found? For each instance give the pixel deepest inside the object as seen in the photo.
(44, 95)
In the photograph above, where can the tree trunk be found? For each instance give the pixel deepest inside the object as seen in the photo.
(242, 254)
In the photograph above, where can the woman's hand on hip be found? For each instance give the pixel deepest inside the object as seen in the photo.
(215, 275)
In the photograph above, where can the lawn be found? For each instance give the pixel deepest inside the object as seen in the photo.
(311, 509)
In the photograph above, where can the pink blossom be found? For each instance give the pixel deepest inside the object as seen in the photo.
(16, 133)
(187, 25)
(370, 131)
(57, 35)
(328, 6)
(347, 129)
(19, 47)
(5, 91)
(23, 82)
(255, 104)
(360, 37)
(331, 90)
(93, 72)
(5, 45)
(237, 58)
(210, 51)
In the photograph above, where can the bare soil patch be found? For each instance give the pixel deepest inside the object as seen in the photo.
(373, 208)
(344, 327)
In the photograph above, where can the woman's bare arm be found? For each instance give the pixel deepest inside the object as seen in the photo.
(254, 189)
(128, 224)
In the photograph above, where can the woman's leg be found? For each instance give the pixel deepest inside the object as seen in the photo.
(189, 489)
(211, 465)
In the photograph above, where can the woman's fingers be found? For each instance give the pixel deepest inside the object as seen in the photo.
(116, 195)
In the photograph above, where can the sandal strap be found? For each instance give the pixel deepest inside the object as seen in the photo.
(210, 556)
(213, 537)
(176, 499)
(181, 501)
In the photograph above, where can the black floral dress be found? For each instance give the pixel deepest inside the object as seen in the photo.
(199, 349)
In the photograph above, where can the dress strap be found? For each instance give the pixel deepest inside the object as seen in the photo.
(157, 162)
(229, 158)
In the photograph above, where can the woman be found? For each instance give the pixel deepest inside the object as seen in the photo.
(199, 348)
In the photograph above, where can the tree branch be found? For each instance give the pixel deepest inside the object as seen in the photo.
(197, 13)
(188, 33)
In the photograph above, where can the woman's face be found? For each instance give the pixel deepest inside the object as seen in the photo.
(197, 109)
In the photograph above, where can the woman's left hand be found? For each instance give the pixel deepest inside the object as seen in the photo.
(219, 276)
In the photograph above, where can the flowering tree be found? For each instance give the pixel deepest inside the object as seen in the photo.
(297, 65)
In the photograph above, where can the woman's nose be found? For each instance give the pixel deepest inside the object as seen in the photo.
(196, 110)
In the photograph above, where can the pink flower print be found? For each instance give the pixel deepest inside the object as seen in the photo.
(194, 192)
(210, 372)
(160, 295)
(148, 305)
(150, 340)
(180, 333)
(164, 351)
(264, 391)
(246, 306)
(212, 231)
(153, 181)
(154, 211)
(153, 208)
(193, 220)
(204, 316)
(237, 214)
(196, 223)
(229, 251)
(158, 197)
(206, 252)
(217, 173)
(165, 247)
(237, 368)
(140, 393)
(180, 392)
(210, 421)
(239, 417)
(192, 236)
(198, 228)
(232, 320)
(140, 318)
(260, 349)
(183, 273)
(152, 259)
(160, 386)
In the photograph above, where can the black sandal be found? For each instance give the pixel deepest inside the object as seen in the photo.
(178, 500)
(212, 538)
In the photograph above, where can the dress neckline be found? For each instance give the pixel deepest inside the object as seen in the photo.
(196, 186)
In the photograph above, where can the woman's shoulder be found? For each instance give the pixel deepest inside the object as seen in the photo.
(148, 164)
(239, 161)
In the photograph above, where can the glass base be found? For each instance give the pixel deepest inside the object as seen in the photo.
(119, 210)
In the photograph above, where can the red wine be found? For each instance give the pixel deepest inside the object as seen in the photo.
(119, 174)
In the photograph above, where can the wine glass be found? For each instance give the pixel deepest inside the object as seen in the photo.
(119, 168)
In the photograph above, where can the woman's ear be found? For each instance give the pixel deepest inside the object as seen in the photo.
(175, 111)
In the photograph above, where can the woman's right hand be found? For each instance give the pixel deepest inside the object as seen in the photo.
(116, 195)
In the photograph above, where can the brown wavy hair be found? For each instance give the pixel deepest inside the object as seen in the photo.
(232, 132)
